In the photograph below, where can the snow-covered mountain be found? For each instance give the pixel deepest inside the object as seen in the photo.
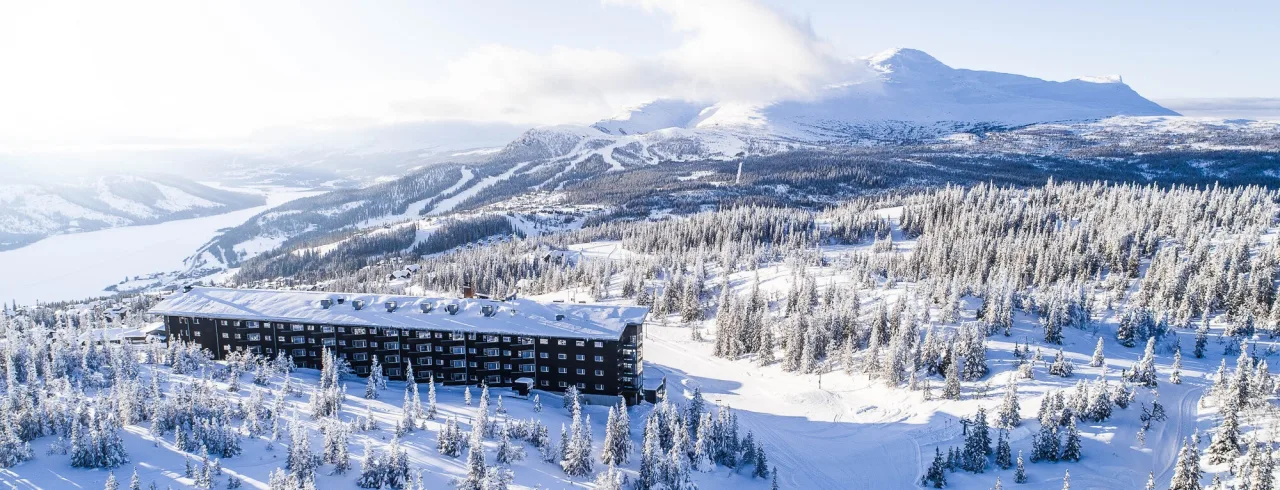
(37, 208)
(909, 88)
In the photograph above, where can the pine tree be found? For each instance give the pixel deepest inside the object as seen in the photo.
(1066, 480)
(617, 438)
(135, 483)
(951, 390)
(111, 484)
(1225, 446)
(1151, 481)
(1071, 449)
(1186, 473)
(937, 474)
(1175, 375)
(1008, 415)
(1202, 338)
(431, 397)
(1004, 453)
(1098, 359)
(1020, 473)
(537, 403)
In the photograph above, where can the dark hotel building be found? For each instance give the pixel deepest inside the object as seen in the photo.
(520, 342)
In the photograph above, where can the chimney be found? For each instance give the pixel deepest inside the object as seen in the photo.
(427, 307)
(326, 303)
(452, 308)
(468, 291)
(357, 303)
(391, 306)
(487, 310)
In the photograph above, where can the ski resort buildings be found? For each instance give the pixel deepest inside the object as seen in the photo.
(466, 340)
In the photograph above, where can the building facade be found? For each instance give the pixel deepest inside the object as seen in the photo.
(597, 348)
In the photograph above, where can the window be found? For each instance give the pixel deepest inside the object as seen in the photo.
(493, 379)
(360, 356)
(459, 376)
(627, 379)
(471, 350)
(391, 333)
(298, 339)
(424, 374)
(297, 327)
(542, 341)
(224, 323)
(506, 339)
(359, 344)
(492, 366)
(599, 372)
(424, 335)
(327, 342)
(543, 355)
(580, 372)
(582, 385)
(362, 369)
(506, 353)
(439, 348)
(299, 353)
(392, 359)
(580, 357)
(457, 349)
(546, 369)
(545, 382)
(424, 347)
(561, 342)
(599, 344)
(327, 329)
(471, 364)
(358, 330)
(526, 354)
(197, 321)
(506, 366)
(526, 368)
(424, 361)
(197, 333)
(253, 337)
(393, 372)
(563, 384)
(391, 345)
(342, 329)
(251, 324)
(580, 343)
(439, 335)
(458, 363)
(471, 336)
(268, 337)
(490, 338)
(599, 387)
(311, 328)
(561, 356)
(491, 352)
(225, 335)
(457, 336)
(599, 358)
(563, 370)
(342, 343)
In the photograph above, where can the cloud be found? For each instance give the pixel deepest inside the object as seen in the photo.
(730, 50)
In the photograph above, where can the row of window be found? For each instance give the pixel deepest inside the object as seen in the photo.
(298, 327)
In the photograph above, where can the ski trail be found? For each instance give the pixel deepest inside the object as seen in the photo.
(805, 441)
(447, 205)
(1168, 458)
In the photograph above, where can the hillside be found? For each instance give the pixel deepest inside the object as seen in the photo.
(31, 209)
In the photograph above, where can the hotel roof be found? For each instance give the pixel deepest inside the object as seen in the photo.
(516, 317)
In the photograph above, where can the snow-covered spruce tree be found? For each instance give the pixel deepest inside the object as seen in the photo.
(1098, 358)
(301, 461)
(1020, 471)
(951, 390)
(1061, 365)
(614, 451)
(1202, 339)
(610, 479)
(1186, 472)
(111, 484)
(577, 455)
(651, 455)
(372, 383)
(1175, 373)
(1004, 453)
(1144, 371)
(476, 467)
(336, 437)
(936, 476)
(1008, 415)
(431, 397)
(1225, 446)
(977, 443)
(507, 452)
(1071, 448)
(373, 472)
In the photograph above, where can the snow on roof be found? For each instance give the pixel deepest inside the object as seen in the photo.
(517, 317)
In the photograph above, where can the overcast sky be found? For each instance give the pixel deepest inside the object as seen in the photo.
(80, 74)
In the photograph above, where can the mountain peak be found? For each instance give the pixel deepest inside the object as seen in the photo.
(907, 62)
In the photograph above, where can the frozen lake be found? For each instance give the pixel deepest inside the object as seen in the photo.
(80, 265)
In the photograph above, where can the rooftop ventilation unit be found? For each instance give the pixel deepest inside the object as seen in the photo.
(559, 317)
(326, 303)
(357, 303)
(187, 288)
(488, 310)
(427, 307)
(452, 308)
(341, 300)
(391, 306)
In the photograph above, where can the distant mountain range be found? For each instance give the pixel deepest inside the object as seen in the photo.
(33, 209)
